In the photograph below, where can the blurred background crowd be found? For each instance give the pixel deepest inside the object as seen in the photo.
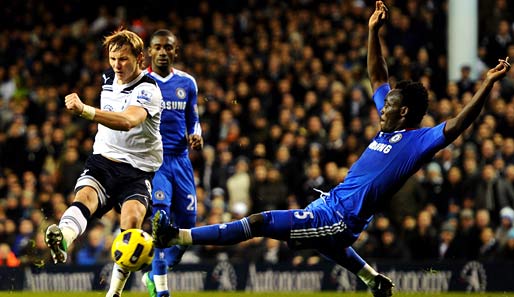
(285, 106)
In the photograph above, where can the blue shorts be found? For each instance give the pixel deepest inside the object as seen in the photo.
(174, 190)
(315, 227)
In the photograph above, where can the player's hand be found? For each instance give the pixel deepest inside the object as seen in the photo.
(73, 103)
(499, 71)
(379, 16)
(196, 142)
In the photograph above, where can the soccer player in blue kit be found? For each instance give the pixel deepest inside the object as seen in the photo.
(174, 190)
(333, 222)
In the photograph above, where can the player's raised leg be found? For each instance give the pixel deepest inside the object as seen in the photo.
(274, 224)
(379, 284)
(72, 224)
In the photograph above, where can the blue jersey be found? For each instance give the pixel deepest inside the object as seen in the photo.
(388, 161)
(179, 110)
(174, 189)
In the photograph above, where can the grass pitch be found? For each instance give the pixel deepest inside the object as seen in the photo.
(251, 294)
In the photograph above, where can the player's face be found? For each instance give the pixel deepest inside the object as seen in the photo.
(163, 50)
(124, 63)
(393, 112)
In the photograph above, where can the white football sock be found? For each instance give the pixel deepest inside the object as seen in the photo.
(73, 223)
(161, 282)
(367, 274)
(118, 279)
(184, 237)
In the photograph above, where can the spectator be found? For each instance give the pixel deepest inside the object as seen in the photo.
(436, 188)
(314, 180)
(275, 252)
(423, 243)
(391, 247)
(289, 168)
(70, 167)
(238, 185)
(507, 252)
(455, 188)
(270, 192)
(506, 224)
(413, 192)
(447, 246)
(468, 238)
(465, 83)
(496, 44)
(24, 236)
(507, 151)
(489, 245)
(493, 192)
(7, 257)
(96, 250)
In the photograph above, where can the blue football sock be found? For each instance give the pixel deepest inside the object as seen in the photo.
(222, 234)
(159, 267)
(174, 254)
(348, 258)
(159, 271)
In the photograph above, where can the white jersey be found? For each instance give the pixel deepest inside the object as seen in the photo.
(141, 146)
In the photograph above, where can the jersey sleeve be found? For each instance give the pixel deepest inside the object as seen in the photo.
(432, 139)
(380, 95)
(147, 96)
(192, 117)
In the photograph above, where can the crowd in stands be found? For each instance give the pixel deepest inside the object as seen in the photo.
(285, 106)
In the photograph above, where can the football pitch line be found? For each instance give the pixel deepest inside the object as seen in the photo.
(252, 294)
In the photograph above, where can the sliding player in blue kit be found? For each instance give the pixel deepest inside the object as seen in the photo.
(332, 223)
(174, 190)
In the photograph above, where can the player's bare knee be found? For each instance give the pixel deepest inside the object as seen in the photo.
(88, 197)
(132, 214)
(130, 222)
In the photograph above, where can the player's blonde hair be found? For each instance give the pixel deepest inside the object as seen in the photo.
(123, 37)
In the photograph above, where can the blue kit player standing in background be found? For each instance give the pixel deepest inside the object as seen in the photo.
(174, 190)
(332, 223)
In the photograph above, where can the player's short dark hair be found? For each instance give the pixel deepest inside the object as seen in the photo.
(415, 97)
(164, 33)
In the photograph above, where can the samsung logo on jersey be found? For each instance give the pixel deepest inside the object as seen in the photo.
(380, 147)
(173, 105)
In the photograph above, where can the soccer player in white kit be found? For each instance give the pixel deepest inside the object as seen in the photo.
(126, 153)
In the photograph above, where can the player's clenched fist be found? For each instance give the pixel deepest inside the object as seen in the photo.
(196, 141)
(73, 103)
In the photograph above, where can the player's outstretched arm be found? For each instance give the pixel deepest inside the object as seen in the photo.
(377, 66)
(123, 121)
(455, 126)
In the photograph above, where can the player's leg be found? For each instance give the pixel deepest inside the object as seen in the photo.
(274, 224)
(301, 228)
(72, 224)
(156, 280)
(183, 204)
(380, 285)
(135, 206)
(90, 195)
(174, 254)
